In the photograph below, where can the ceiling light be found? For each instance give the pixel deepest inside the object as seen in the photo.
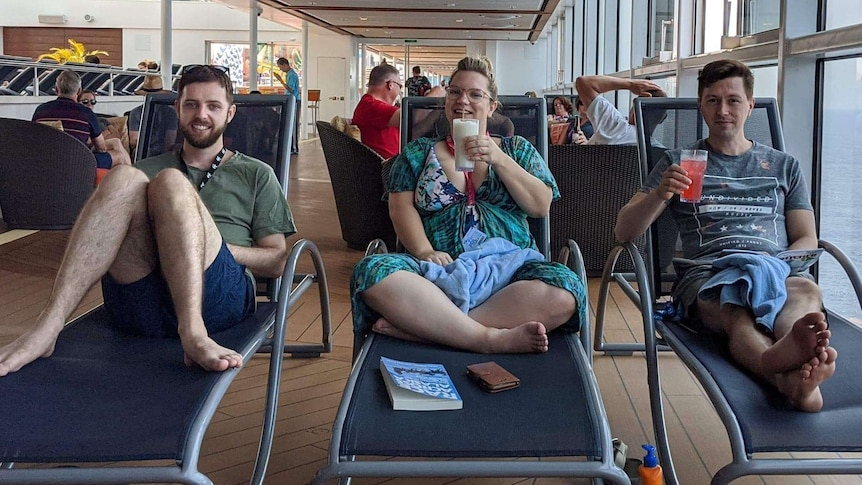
(363, 18)
(499, 16)
(450, 4)
(458, 21)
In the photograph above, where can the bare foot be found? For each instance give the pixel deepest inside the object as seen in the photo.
(383, 326)
(205, 352)
(802, 386)
(527, 337)
(807, 338)
(38, 342)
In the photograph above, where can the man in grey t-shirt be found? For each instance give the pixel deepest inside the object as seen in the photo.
(754, 198)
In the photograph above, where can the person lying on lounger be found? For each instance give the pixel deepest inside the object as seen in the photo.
(789, 347)
(441, 215)
(174, 238)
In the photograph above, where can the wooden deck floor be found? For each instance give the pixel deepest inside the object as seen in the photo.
(312, 387)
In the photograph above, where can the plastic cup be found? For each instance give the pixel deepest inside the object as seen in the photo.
(694, 163)
(461, 128)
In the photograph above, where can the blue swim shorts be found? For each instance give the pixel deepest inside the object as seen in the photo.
(103, 159)
(145, 307)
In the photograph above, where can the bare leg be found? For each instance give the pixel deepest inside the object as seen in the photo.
(802, 386)
(800, 359)
(95, 240)
(188, 242)
(417, 307)
(800, 328)
(524, 301)
(119, 156)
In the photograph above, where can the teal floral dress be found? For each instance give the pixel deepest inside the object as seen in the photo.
(444, 213)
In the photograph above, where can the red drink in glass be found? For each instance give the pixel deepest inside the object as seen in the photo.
(695, 170)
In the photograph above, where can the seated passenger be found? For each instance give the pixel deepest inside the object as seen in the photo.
(584, 125)
(174, 241)
(165, 121)
(754, 197)
(109, 123)
(376, 115)
(80, 122)
(440, 214)
(563, 110)
(610, 127)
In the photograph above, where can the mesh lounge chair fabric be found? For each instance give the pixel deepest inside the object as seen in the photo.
(595, 181)
(107, 396)
(355, 172)
(756, 417)
(46, 176)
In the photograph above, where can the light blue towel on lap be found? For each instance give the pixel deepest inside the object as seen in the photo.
(476, 275)
(755, 281)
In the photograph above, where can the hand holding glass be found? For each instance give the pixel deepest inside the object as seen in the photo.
(461, 128)
(694, 163)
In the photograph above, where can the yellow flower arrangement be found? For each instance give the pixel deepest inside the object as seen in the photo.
(76, 54)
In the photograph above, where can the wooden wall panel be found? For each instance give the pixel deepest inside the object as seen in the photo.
(32, 41)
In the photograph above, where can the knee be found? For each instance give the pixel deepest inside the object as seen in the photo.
(168, 188)
(798, 287)
(559, 303)
(167, 183)
(124, 181)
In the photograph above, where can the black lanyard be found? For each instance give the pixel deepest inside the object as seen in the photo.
(210, 172)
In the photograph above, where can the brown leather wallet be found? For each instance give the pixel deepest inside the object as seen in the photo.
(492, 377)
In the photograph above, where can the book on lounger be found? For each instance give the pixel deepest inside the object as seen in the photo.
(799, 260)
(419, 387)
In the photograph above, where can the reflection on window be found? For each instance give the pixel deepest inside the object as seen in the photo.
(840, 13)
(841, 177)
(758, 15)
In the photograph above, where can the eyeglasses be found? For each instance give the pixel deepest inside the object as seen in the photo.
(191, 67)
(400, 86)
(475, 95)
(88, 102)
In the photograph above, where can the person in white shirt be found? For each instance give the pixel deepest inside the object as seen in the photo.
(610, 126)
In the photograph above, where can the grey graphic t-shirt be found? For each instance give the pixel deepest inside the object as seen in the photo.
(745, 198)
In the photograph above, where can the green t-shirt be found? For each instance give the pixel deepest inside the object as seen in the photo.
(243, 197)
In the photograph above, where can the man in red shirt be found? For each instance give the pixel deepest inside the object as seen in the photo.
(376, 115)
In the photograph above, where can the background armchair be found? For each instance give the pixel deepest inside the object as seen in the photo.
(45, 176)
(355, 172)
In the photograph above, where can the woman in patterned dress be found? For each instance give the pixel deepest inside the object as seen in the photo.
(430, 205)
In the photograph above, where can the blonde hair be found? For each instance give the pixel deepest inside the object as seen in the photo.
(483, 66)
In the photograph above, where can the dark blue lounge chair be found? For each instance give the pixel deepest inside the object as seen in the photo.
(557, 412)
(757, 418)
(105, 396)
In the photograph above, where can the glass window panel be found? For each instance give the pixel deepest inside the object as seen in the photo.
(765, 81)
(712, 30)
(624, 36)
(759, 15)
(841, 177)
(662, 26)
(840, 13)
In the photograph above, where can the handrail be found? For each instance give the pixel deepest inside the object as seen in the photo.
(41, 68)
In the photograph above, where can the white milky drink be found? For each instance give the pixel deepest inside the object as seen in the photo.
(462, 127)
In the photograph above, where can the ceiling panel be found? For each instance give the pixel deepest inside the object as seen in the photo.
(521, 20)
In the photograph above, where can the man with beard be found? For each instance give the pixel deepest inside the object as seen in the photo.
(175, 238)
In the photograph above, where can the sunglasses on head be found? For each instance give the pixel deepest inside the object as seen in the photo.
(191, 67)
(88, 101)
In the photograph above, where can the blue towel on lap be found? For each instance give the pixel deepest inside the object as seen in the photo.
(476, 275)
(755, 281)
